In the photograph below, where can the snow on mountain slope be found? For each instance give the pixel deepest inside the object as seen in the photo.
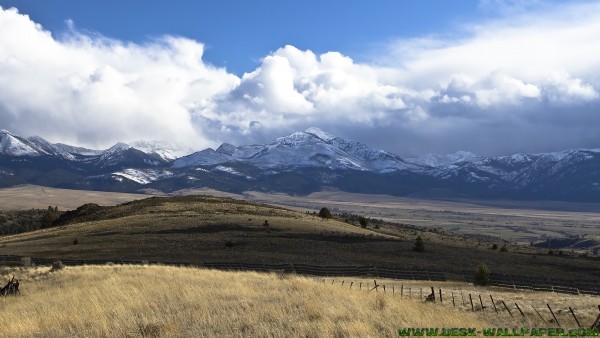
(203, 157)
(50, 148)
(161, 149)
(15, 146)
(434, 160)
(143, 176)
(311, 148)
(78, 150)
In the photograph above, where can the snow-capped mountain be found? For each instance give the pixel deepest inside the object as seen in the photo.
(160, 149)
(302, 162)
(16, 146)
(311, 148)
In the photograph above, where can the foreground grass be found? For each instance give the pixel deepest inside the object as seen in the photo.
(160, 301)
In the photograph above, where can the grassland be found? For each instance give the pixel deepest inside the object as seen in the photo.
(513, 221)
(38, 197)
(198, 229)
(159, 301)
(520, 222)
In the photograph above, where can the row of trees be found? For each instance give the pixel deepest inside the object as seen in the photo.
(18, 221)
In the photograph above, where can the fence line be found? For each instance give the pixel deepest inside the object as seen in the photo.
(590, 287)
(431, 298)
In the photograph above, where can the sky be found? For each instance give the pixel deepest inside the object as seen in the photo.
(494, 77)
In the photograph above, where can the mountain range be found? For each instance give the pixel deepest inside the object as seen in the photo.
(301, 163)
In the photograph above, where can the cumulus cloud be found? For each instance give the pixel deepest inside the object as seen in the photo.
(525, 82)
(96, 91)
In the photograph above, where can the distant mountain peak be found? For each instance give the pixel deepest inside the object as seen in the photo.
(15, 146)
(159, 148)
(120, 146)
(320, 134)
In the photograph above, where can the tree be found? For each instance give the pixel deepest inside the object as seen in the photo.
(324, 213)
(483, 275)
(363, 221)
(419, 245)
(50, 216)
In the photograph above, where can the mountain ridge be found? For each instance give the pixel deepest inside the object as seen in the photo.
(302, 162)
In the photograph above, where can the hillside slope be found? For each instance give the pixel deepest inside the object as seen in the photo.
(201, 229)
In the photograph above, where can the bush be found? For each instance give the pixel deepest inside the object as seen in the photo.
(482, 275)
(57, 265)
(75, 241)
(363, 221)
(419, 245)
(504, 248)
(495, 246)
(324, 213)
(229, 244)
(266, 224)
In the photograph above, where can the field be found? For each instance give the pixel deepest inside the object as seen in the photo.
(513, 221)
(201, 229)
(159, 301)
(38, 197)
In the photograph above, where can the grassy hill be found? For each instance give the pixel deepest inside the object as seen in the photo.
(197, 229)
(160, 301)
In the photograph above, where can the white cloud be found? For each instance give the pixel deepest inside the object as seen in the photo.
(518, 78)
(95, 91)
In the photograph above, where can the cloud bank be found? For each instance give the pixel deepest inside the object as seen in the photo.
(528, 82)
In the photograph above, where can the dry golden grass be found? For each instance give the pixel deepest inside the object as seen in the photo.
(160, 301)
(584, 306)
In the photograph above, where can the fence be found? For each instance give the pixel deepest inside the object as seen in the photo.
(591, 287)
(476, 303)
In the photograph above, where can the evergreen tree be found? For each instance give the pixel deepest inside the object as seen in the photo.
(419, 245)
(324, 213)
(483, 275)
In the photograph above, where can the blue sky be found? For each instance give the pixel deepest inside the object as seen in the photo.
(237, 34)
(489, 76)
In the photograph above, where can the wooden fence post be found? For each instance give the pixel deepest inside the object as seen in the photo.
(463, 297)
(481, 302)
(401, 291)
(393, 290)
(453, 304)
(343, 283)
(441, 301)
(471, 299)
(383, 288)
(518, 308)
(536, 311)
(576, 320)
(507, 309)
(553, 316)
(360, 286)
(493, 303)
(351, 285)
(596, 324)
